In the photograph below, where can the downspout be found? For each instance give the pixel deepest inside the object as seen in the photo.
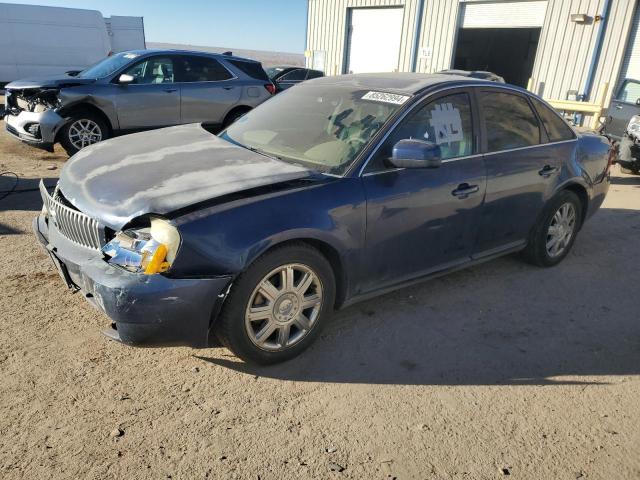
(416, 36)
(604, 18)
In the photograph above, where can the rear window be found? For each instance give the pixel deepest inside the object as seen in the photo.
(314, 74)
(556, 127)
(294, 75)
(253, 69)
(201, 69)
(509, 121)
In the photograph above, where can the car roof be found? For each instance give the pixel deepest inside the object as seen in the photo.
(406, 83)
(189, 52)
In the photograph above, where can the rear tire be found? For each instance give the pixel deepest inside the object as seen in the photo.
(83, 129)
(554, 234)
(269, 316)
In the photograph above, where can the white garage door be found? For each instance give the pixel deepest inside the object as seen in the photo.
(374, 40)
(631, 64)
(504, 14)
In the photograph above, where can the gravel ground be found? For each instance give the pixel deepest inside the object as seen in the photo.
(502, 369)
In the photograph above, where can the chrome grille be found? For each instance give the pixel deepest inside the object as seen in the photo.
(73, 224)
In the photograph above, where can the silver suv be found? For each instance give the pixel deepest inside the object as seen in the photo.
(132, 91)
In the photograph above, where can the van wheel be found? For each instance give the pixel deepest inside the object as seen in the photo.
(277, 307)
(83, 129)
(553, 236)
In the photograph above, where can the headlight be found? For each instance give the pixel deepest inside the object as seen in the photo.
(634, 125)
(145, 250)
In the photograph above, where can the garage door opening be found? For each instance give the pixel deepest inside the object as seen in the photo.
(508, 52)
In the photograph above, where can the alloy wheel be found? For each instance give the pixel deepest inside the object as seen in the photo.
(561, 229)
(284, 307)
(84, 132)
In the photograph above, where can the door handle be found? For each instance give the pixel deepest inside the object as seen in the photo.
(228, 88)
(170, 90)
(464, 190)
(547, 171)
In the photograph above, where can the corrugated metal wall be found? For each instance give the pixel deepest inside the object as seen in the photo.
(564, 50)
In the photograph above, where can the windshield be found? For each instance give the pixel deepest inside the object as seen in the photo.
(323, 127)
(109, 65)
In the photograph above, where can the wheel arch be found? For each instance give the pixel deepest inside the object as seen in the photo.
(328, 251)
(236, 109)
(76, 108)
(582, 194)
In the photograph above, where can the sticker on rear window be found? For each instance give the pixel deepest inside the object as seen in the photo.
(386, 97)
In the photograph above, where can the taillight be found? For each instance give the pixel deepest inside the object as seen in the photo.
(271, 88)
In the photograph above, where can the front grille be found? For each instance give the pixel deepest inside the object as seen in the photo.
(73, 224)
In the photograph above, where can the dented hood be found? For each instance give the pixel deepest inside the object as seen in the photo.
(162, 171)
(48, 82)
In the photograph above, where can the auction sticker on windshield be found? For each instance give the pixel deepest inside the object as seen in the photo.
(386, 97)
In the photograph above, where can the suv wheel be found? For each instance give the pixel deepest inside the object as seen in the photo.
(553, 236)
(276, 308)
(82, 130)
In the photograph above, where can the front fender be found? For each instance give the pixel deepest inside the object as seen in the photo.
(226, 239)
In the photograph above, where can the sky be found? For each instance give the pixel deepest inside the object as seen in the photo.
(275, 25)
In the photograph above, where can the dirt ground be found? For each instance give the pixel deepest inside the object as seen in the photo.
(500, 370)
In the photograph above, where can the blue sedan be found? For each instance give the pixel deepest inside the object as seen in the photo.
(339, 189)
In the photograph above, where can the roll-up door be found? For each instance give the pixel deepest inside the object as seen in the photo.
(504, 14)
(374, 40)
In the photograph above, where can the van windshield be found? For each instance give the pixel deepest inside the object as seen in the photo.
(109, 65)
(324, 127)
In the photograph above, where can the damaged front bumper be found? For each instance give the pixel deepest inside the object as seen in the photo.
(38, 129)
(148, 310)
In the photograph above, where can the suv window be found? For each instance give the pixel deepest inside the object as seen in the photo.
(294, 75)
(556, 127)
(629, 91)
(253, 69)
(509, 120)
(152, 70)
(446, 121)
(201, 69)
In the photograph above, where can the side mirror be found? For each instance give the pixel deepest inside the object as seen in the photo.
(73, 73)
(410, 153)
(125, 79)
(638, 102)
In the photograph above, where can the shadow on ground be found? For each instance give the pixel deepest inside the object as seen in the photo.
(504, 322)
(22, 194)
(628, 180)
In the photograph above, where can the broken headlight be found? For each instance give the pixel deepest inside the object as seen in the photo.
(147, 250)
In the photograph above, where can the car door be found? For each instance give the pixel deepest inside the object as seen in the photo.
(423, 220)
(152, 99)
(208, 89)
(623, 107)
(523, 169)
(291, 78)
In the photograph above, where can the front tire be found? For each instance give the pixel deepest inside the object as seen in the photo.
(83, 129)
(277, 307)
(556, 231)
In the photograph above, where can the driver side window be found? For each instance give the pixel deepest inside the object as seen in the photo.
(152, 71)
(445, 121)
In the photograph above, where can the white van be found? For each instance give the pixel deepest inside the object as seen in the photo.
(36, 40)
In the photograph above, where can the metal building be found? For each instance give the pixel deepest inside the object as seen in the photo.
(560, 48)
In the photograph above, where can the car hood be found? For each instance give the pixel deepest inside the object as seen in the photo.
(161, 171)
(48, 82)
